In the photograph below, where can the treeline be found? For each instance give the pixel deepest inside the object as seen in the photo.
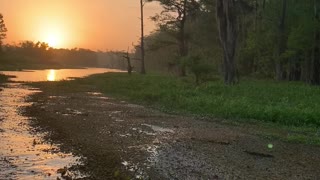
(41, 53)
(277, 39)
(28, 54)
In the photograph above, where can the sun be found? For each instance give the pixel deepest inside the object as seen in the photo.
(53, 39)
(53, 34)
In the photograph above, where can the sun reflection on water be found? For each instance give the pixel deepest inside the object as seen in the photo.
(51, 76)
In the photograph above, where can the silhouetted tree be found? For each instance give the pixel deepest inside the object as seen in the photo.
(3, 31)
(126, 56)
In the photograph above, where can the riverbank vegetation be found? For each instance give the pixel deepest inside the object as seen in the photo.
(290, 103)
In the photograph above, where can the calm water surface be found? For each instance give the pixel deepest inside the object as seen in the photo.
(23, 154)
(54, 75)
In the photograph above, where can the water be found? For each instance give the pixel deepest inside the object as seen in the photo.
(54, 75)
(158, 128)
(23, 154)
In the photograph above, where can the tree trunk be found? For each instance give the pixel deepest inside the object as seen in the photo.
(129, 66)
(263, 4)
(294, 71)
(227, 22)
(143, 70)
(183, 49)
(306, 69)
(280, 73)
(314, 66)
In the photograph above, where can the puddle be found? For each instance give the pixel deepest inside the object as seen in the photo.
(158, 128)
(152, 149)
(139, 169)
(95, 93)
(24, 155)
(139, 173)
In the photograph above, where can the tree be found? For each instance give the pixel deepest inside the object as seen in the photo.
(173, 20)
(315, 64)
(126, 56)
(143, 70)
(227, 24)
(3, 31)
(280, 73)
(258, 38)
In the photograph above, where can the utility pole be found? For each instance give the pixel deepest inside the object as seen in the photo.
(143, 70)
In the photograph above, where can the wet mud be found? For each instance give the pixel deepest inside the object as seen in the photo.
(23, 152)
(122, 140)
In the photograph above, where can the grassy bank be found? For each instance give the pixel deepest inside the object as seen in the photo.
(279, 102)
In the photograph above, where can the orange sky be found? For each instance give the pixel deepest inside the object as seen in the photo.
(93, 24)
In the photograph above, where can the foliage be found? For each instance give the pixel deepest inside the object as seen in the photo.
(163, 52)
(259, 37)
(202, 71)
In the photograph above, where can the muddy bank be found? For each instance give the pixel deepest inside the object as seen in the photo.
(122, 140)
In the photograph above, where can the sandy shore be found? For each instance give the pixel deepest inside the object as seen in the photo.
(119, 140)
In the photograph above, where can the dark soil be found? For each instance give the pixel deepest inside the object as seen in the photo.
(121, 140)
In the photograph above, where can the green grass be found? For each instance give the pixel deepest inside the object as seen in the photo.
(285, 103)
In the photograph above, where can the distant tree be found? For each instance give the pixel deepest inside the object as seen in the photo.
(126, 56)
(3, 31)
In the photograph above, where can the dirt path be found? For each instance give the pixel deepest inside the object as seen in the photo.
(119, 139)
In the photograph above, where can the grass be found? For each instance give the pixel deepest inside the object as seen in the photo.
(285, 103)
